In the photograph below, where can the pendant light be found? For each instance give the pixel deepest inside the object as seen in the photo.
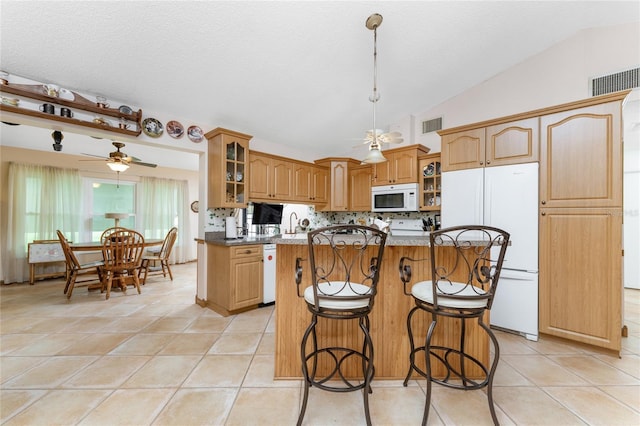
(375, 153)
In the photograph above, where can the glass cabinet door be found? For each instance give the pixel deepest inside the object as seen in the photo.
(431, 184)
(235, 172)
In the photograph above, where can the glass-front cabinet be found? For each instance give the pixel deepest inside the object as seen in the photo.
(430, 182)
(228, 168)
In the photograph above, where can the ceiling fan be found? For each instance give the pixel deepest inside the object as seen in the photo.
(382, 137)
(118, 161)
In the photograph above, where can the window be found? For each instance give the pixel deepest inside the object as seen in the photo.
(104, 196)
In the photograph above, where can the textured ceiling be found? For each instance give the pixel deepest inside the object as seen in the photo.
(297, 73)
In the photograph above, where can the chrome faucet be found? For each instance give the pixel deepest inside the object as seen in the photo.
(291, 230)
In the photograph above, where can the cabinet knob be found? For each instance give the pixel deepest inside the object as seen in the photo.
(543, 202)
(543, 213)
(488, 162)
(481, 163)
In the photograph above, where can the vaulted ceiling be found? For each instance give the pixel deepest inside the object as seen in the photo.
(296, 73)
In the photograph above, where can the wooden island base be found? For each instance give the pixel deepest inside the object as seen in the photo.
(388, 319)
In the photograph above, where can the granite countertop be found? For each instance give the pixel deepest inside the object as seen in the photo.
(301, 239)
(218, 238)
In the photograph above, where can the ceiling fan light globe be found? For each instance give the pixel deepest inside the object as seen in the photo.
(118, 166)
(374, 156)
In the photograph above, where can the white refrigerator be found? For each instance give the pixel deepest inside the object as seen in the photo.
(505, 197)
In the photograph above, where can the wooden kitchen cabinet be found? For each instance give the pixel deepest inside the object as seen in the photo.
(581, 157)
(499, 144)
(228, 172)
(272, 178)
(235, 281)
(339, 182)
(430, 182)
(581, 222)
(581, 275)
(360, 188)
(310, 183)
(401, 166)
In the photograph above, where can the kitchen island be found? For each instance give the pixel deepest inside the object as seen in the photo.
(388, 318)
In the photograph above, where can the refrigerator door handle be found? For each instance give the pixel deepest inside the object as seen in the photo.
(517, 274)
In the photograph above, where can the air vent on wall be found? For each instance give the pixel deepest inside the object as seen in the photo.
(615, 82)
(432, 125)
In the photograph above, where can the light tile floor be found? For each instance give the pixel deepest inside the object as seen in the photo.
(159, 359)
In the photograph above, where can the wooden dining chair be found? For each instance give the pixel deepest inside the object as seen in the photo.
(75, 268)
(109, 231)
(122, 253)
(161, 257)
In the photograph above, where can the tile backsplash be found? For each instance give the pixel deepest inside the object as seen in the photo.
(293, 213)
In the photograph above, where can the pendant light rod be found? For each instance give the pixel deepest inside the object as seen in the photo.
(375, 153)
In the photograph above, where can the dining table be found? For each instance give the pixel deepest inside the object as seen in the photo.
(96, 246)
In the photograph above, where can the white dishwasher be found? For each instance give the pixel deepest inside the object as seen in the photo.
(269, 274)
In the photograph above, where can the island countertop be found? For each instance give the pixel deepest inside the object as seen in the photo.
(301, 239)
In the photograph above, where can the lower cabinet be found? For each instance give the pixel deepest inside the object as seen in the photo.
(235, 278)
(580, 275)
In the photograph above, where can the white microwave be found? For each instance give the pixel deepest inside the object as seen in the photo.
(395, 198)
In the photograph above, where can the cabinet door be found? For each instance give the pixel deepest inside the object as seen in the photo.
(246, 282)
(282, 184)
(360, 189)
(581, 157)
(228, 173)
(302, 182)
(513, 143)
(580, 275)
(259, 184)
(382, 172)
(339, 186)
(463, 150)
(320, 187)
(430, 183)
(404, 167)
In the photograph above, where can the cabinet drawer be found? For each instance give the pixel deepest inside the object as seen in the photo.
(246, 251)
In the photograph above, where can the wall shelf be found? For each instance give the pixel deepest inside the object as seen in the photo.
(36, 92)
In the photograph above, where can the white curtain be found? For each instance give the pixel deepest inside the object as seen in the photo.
(41, 199)
(163, 204)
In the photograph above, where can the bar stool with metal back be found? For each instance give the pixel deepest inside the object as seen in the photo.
(76, 268)
(343, 285)
(161, 256)
(122, 252)
(462, 287)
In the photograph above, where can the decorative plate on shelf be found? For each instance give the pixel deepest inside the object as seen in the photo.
(195, 134)
(152, 127)
(125, 110)
(429, 170)
(175, 129)
(195, 207)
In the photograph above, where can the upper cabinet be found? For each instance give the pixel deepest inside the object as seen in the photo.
(271, 178)
(430, 182)
(310, 183)
(581, 157)
(494, 145)
(401, 166)
(360, 188)
(228, 169)
(339, 182)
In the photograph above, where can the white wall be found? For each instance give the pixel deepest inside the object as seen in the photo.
(557, 75)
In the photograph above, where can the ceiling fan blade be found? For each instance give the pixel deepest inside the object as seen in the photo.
(102, 159)
(92, 155)
(140, 163)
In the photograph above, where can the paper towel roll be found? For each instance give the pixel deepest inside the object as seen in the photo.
(230, 227)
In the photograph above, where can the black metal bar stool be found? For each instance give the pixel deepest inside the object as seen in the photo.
(465, 267)
(344, 267)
